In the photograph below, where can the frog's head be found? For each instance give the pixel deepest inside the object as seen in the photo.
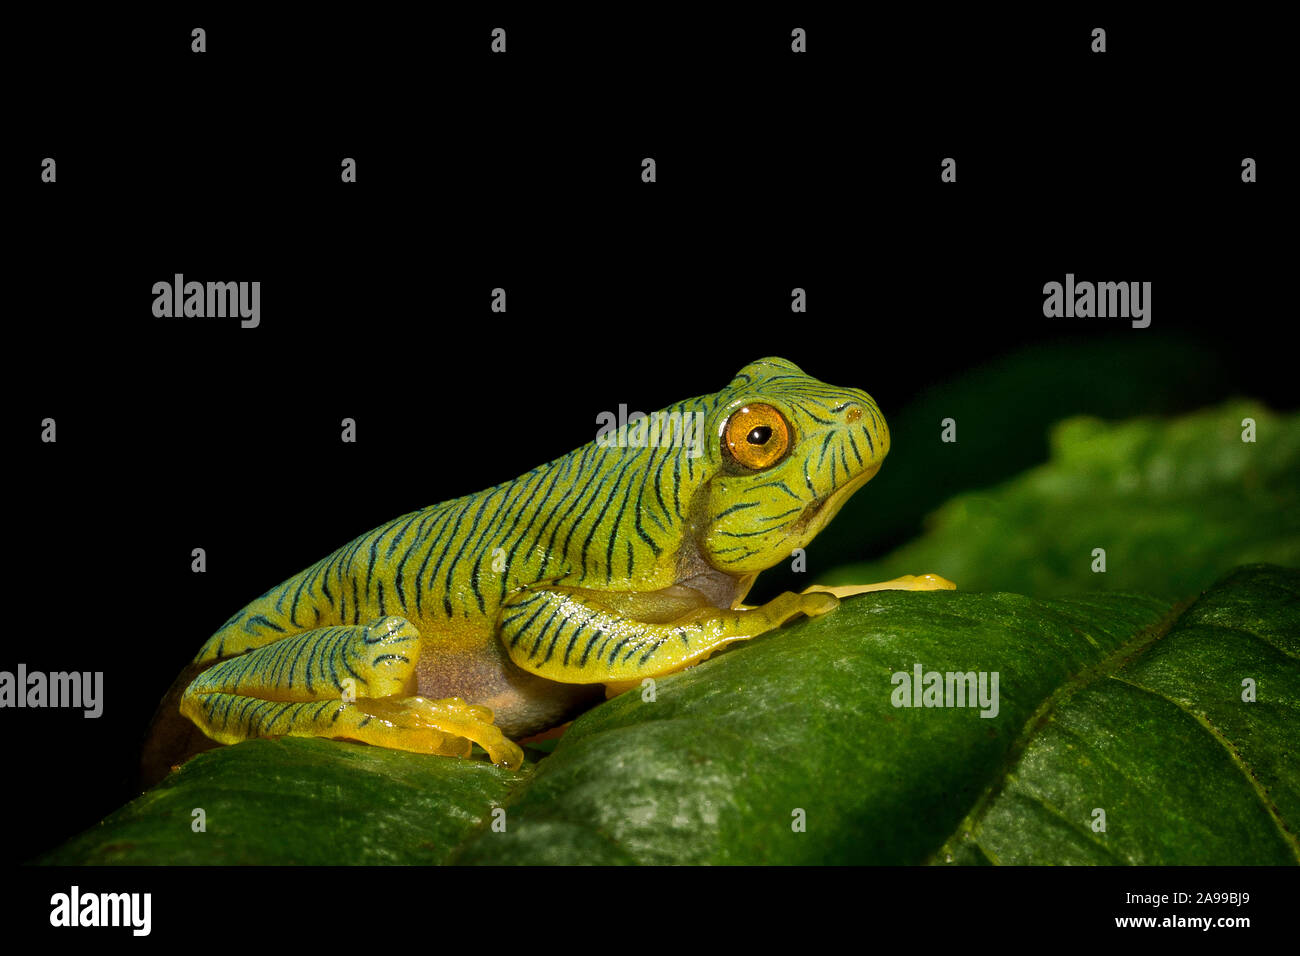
(789, 451)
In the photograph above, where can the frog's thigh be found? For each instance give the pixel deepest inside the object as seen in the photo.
(565, 635)
(908, 582)
(352, 682)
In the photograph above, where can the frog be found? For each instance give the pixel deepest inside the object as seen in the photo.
(491, 618)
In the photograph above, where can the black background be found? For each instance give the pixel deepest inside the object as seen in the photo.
(523, 171)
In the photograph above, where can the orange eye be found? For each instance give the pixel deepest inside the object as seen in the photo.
(756, 436)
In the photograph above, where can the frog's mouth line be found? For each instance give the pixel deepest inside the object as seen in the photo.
(724, 588)
(809, 513)
(819, 513)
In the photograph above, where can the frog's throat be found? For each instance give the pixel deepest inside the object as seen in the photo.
(719, 589)
(725, 590)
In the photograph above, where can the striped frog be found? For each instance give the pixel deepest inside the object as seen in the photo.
(504, 613)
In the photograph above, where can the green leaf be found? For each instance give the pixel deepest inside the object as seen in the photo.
(1185, 770)
(1114, 701)
(300, 800)
(1174, 504)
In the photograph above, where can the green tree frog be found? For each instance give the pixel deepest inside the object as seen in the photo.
(489, 618)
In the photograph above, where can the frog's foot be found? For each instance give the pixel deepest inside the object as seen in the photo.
(908, 582)
(434, 727)
(348, 682)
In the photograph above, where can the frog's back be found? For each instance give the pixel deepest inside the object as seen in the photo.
(406, 567)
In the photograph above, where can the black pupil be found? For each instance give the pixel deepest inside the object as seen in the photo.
(759, 435)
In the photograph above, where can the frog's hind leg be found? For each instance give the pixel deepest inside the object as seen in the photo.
(350, 682)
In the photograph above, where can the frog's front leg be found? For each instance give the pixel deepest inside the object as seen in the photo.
(579, 636)
(908, 582)
(350, 682)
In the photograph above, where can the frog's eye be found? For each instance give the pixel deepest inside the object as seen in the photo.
(756, 436)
